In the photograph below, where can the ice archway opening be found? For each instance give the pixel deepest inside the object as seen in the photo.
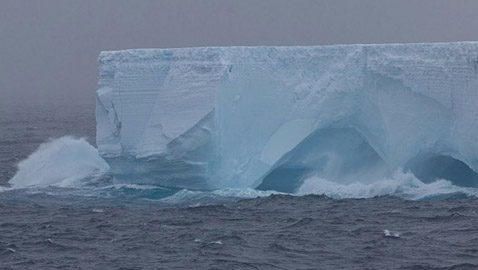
(335, 153)
(344, 156)
(430, 167)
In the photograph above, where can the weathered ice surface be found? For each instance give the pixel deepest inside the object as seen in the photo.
(276, 117)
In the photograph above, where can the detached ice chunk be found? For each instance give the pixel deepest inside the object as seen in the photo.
(391, 234)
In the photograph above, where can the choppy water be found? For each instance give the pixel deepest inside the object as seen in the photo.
(97, 223)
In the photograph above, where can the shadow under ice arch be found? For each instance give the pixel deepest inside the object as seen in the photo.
(339, 154)
(432, 166)
(344, 156)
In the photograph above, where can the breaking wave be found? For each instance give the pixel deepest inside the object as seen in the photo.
(72, 166)
(63, 162)
(201, 197)
(401, 184)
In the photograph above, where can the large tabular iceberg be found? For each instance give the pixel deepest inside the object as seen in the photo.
(271, 117)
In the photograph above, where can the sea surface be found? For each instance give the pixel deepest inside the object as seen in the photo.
(96, 223)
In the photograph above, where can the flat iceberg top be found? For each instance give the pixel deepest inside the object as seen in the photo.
(243, 116)
(245, 52)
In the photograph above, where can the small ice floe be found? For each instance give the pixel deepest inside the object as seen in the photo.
(391, 234)
(97, 210)
(218, 242)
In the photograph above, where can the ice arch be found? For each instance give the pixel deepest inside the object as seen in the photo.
(430, 167)
(341, 154)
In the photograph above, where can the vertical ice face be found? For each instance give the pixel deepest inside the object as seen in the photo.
(255, 116)
(148, 98)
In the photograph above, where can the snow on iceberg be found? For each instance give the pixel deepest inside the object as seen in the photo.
(272, 117)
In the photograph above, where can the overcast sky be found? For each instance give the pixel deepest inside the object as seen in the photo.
(49, 48)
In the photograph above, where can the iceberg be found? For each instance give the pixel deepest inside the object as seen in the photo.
(273, 117)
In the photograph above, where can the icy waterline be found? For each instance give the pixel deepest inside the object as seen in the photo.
(73, 167)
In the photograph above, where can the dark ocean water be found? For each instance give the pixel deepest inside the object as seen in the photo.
(105, 225)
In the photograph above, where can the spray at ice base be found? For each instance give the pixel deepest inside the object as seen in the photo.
(64, 162)
(277, 117)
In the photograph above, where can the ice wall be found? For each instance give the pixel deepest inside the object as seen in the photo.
(255, 116)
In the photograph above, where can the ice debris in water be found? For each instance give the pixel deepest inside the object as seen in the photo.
(388, 233)
(271, 117)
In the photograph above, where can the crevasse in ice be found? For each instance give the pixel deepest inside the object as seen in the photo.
(271, 117)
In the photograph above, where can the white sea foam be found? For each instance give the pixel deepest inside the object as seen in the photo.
(62, 162)
(401, 184)
(132, 186)
(233, 193)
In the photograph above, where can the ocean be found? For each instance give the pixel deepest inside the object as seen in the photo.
(97, 223)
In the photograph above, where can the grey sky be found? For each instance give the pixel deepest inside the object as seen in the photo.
(48, 48)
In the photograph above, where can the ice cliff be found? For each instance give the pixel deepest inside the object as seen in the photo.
(271, 117)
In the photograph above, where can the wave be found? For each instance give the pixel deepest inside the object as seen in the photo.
(72, 166)
(63, 162)
(402, 184)
(220, 195)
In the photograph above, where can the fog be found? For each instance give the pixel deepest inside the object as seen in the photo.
(49, 48)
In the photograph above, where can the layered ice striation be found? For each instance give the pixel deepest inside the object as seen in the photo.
(273, 117)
